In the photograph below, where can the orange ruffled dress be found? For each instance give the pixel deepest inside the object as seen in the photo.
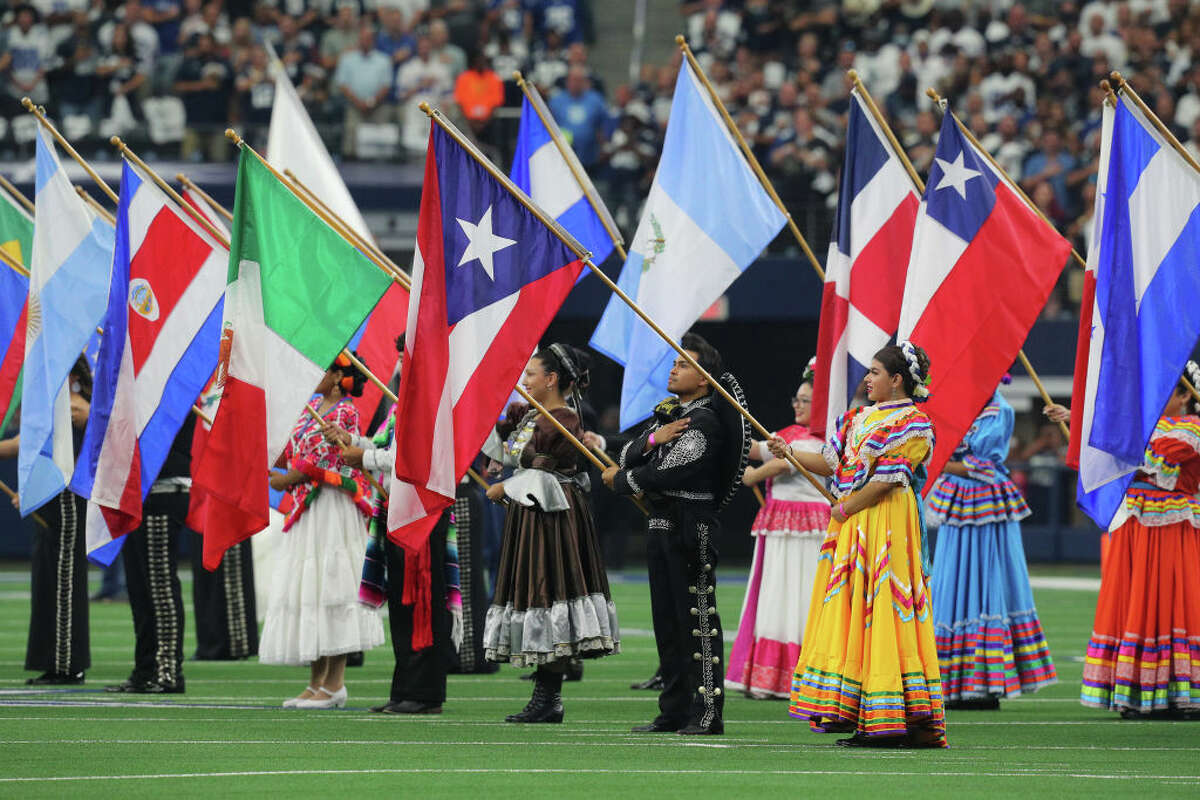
(869, 658)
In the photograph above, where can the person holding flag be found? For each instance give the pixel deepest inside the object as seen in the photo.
(871, 668)
(552, 602)
(313, 614)
(1141, 658)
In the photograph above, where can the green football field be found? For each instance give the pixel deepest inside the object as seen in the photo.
(228, 737)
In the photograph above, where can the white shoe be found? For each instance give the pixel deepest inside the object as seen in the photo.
(331, 700)
(294, 701)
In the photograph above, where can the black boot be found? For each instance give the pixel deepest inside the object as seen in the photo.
(546, 703)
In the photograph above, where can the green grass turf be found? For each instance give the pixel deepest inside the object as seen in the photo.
(1045, 744)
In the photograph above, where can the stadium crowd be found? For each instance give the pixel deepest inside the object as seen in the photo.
(1023, 76)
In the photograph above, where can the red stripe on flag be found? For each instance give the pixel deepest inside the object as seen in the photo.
(377, 349)
(835, 311)
(877, 275)
(981, 313)
(168, 240)
(1083, 346)
(14, 359)
(233, 470)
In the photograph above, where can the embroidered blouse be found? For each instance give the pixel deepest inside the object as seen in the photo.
(885, 443)
(542, 456)
(308, 452)
(1164, 490)
(791, 487)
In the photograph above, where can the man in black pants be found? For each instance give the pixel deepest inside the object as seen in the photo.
(688, 464)
(152, 577)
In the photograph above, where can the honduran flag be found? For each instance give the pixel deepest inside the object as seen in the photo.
(488, 276)
(557, 182)
(161, 340)
(868, 259)
(1144, 318)
(982, 265)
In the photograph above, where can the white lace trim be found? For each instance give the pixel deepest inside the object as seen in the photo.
(632, 481)
(1180, 435)
(891, 477)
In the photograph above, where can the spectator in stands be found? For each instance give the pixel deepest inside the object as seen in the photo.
(255, 91)
(421, 78)
(165, 16)
(73, 84)
(510, 18)
(126, 72)
(295, 47)
(580, 112)
(241, 42)
(210, 18)
(341, 35)
(395, 40)
(203, 83)
(305, 13)
(629, 155)
(478, 91)
(364, 80)
(1050, 163)
(445, 50)
(26, 56)
(562, 17)
(143, 39)
(59, 17)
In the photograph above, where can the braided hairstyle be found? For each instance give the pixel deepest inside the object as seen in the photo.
(353, 379)
(1191, 374)
(571, 365)
(911, 363)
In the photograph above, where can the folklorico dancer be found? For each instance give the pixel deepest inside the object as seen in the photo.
(869, 662)
(58, 645)
(552, 602)
(424, 638)
(152, 576)
(688, 463)
(989, 639)
(313, 614)
(787, 532)
(1142, 657)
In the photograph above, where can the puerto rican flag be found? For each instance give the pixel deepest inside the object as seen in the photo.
(867, 263)
(487, 278)
(982, 265)
(160, 346)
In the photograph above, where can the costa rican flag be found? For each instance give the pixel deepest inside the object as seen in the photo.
(487, 278)
(866, 267)
(161, 339)
(983, 263)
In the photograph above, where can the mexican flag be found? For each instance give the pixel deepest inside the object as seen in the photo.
(297, 292)
(16, 240)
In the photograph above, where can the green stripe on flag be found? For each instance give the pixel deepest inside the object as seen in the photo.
(14, 402)
(317, 288)
(16, 230)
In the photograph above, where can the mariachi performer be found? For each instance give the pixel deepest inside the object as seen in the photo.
(688, 463)
(869, 662)
(223, 603)
(58, 646)
(472, 580)
(552, 602)
(787, 532)
(989, 639)
(313, 616)
(1142, 657)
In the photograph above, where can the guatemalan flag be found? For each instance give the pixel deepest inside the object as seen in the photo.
(1144, 319)
(549, 176)
(982, 265)
(162, 335)
(706, 219)
(487, 278)
(68, 293)
(868, 259)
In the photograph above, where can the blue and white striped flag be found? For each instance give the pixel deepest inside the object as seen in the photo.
(706, 219)
(542, 172)
(68, 293)
(1144, 321)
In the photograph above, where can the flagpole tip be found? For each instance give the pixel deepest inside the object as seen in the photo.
(426, 108)
(1106, 86)
(116, 142)
(25, 101)
(852, 75)
(680, 40)
(179, 176)
(932, 94)
(518, 77)
(1116, 77)
(232, 136)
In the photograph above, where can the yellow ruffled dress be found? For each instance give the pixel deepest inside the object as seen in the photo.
(869, 658)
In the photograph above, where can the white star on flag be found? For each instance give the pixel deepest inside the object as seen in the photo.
(956, 175)
(482, 243)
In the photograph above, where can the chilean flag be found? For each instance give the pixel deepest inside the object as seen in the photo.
(868, 259)
(160, 346)
(982, 265)
(487, 278)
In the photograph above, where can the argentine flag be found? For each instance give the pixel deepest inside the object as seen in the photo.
(1144, 321)
(706, 219)
(542, 172)
(68, 293)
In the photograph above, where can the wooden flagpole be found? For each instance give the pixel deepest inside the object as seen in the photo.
(585, 185)
(62, 141)
(586, 257)
(16, 194)
(750, 157)
(94, 205)
(1020, 354)
(4, 487)
(205, 196)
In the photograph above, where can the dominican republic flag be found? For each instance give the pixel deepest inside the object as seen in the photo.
(68, 292)
(1144, 318)
(162, 335)
(982, 265)
(868, 259)
(545, 173)
(488, 276)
